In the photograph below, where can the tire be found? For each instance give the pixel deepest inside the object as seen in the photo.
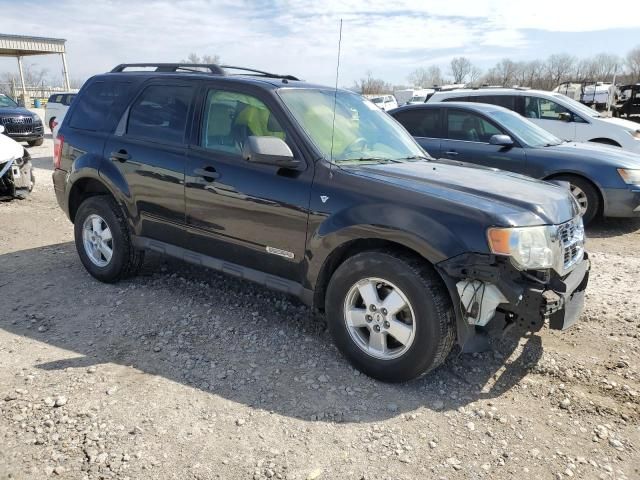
(125, 261)
(590, 196)
(36, 143)
(51, 126)
(429, 313)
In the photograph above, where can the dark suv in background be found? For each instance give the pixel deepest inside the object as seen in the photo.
(317, 193)
(19, 123)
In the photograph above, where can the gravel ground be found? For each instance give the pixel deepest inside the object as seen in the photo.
(187, 374)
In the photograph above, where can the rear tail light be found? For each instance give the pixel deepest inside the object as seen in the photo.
(58, 142)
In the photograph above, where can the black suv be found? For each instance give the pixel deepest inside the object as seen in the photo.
(318, 193)
(19, 123)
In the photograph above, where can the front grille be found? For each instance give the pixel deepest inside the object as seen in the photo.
(572, 240)
(20, 125)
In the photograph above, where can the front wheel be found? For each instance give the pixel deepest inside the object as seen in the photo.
(103, 241)
(36, 143)
(390, 315)
(585, 194)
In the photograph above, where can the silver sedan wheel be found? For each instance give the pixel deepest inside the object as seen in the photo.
(379, 318)
(97, 240)
(581, 197)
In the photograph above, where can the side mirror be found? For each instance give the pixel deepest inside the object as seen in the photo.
(501, 140)
(564, 116)
(269, 151)
(1, 129)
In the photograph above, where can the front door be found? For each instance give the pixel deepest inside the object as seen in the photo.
(547, 114)
(467, 139)
(148, 148)
(245, 213)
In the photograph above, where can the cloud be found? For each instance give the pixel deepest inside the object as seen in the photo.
(295, 36)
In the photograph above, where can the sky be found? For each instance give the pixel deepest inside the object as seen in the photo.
(300, 37)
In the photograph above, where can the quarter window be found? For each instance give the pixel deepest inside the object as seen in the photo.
(536, 107)
(421, 122)
(470, 127)
(160, 114)
(506, 101)
(230, 118)
(97, 100)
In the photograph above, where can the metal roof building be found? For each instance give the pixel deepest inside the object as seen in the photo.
(21, 46)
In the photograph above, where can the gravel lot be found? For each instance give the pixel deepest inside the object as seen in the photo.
(183, 373)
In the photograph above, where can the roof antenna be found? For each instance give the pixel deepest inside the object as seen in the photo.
(335, 99)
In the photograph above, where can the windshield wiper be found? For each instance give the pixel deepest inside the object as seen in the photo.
(416, 157)
(370, 159)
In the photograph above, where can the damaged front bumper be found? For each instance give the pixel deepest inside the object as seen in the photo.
(16, 178)
(489, 284)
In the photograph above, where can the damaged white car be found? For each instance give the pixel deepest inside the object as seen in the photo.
(16, 175)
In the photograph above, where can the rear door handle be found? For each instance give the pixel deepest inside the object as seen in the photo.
(208, 173)
(451, 153)
(120, 156)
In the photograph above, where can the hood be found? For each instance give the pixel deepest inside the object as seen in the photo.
(628, 124)
(595, 153)
(16, 111)
(9, 149)
(508, 198)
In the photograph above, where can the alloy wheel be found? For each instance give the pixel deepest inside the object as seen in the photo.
(97, 240)
(379, 318)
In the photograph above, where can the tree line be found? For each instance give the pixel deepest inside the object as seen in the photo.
(538, 74)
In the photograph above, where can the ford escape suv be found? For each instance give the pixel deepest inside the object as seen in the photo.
(317, 193)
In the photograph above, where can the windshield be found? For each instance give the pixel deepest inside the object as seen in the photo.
(363, 132)
(377, 100)
(579, 107)
(7, 102)
(528, 132)
(418, 99)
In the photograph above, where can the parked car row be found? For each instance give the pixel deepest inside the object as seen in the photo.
(604, 180)
(319, 193)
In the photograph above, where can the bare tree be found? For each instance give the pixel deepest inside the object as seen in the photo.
(504, 73)
(474, 74)
(33, 76)
(460, 69)
(559, 69)
(208, 59)
(633, 64)
(372, 86)
(426, 77)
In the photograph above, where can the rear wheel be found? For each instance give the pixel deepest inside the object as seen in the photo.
(586, 195)
(390, 315)
(103, 241)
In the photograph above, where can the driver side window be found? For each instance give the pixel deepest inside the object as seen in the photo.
(230, 118)
(542, 108)
(470, 127)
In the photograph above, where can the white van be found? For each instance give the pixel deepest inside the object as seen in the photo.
(556, 113)
(56, 108)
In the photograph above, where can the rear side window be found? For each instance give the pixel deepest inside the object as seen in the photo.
(421, 122)
(95, 105)
(506, 101)
(68, 99)
(456, 99)
(160, 113)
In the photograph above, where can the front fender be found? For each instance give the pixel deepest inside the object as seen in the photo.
(386, 222)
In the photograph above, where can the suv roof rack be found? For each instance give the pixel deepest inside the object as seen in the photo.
(198, 67)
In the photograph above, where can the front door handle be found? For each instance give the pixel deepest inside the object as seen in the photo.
(451, 153)
(208, 173)
(120, 156)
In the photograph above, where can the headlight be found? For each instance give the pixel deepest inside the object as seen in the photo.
(630, 176)
(530, 248)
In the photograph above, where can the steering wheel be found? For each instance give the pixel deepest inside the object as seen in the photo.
(353, 146)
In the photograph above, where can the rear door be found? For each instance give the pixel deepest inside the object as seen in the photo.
(148, 148)
(425, 126)
(467, 139)
(248, 214)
